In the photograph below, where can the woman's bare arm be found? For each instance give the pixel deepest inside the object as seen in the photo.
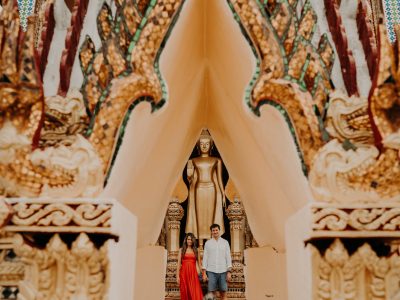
(199, 264)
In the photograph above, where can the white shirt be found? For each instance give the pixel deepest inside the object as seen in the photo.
(217, 256)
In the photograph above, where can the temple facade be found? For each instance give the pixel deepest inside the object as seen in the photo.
(104, 106)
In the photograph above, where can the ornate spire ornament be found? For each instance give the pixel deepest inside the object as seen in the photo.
(25, 8)
(391, 9)
(205, 133)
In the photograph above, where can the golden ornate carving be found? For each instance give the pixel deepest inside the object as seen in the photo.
(65, 118)
(122, 72)
(175, 211)
(46, 252)
(40, 19)
(174, 225)
(366, 173)
(171, 285)
(236, 225)
(384, 100)
(139, 79)
(361, 175)
(260, 31)
(362, 275)
(172, 263)
(237, 218)
(11, 268)
(357, 220)
(173, 219)
(21, 92)
(235, 214)
(81, 271)
(293, 74)
(5, 212)
(11, 273)
(51, 214)
(347, 119)
(282, 42)
(55, 171)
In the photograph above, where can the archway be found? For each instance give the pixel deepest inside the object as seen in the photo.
(207, 72)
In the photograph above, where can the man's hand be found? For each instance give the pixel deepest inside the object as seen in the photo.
(205, 278)
(228, 277)
(178, 281)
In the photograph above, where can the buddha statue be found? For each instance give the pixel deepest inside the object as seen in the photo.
(206, 192)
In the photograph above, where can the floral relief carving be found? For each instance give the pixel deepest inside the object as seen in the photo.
(56, 250)
(61, 214)
(58, 272)
(361, 275)
(356, 218)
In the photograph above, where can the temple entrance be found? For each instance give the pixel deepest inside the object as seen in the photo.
(185, 213)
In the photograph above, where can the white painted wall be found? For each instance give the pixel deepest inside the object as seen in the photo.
(298, 256)
(122, 254)
(150, 273)
(265, 273)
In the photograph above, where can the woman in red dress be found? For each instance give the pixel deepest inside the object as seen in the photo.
(187, 275)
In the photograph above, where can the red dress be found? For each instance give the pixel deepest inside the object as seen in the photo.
(189, 279)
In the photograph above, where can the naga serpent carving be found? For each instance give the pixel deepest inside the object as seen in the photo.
(51, 147)
(64, 146)
(370, 172)
(292, 74)
(361, 160)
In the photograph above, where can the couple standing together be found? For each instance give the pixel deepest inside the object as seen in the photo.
(216, 266)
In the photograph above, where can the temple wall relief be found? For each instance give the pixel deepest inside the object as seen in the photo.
(330, 69)
(68, 248)
(351, 160)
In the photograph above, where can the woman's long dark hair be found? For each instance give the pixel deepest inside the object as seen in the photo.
(194, 246)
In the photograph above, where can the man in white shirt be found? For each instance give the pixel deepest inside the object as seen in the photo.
(217, 263)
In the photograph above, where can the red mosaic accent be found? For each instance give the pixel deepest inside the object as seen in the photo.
(46, 38)
(71, 45)
(367, 38)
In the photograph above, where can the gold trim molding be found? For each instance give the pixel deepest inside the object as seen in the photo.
(359, 220)
(38, 215)
(56, 248)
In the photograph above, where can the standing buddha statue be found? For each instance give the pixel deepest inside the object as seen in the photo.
(206, 192)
